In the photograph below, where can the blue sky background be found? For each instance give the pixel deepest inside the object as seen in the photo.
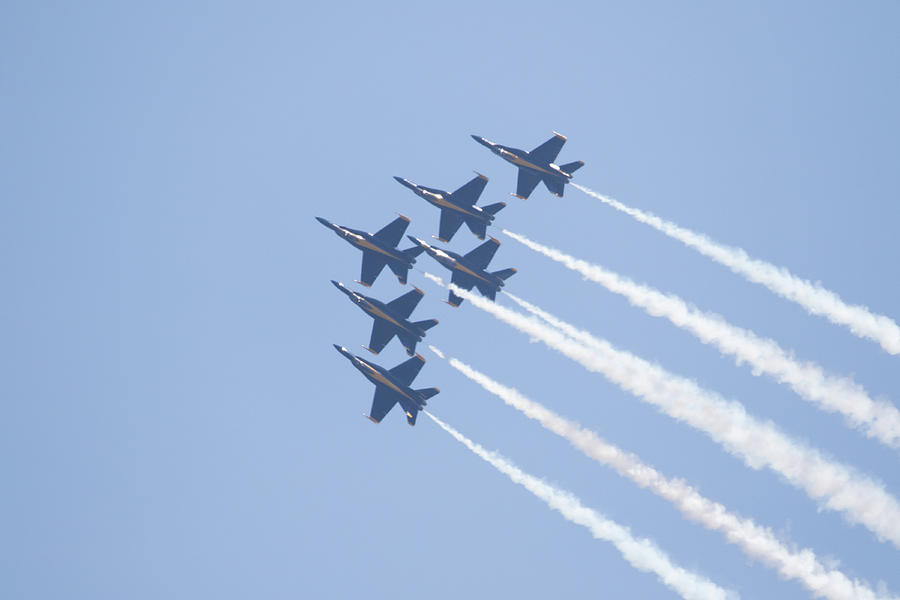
(175, 422)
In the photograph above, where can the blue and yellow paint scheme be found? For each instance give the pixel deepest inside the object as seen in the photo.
(469, 270)
(537, 165)
(379, 249)
(392, 386)
(391, 319)
(458, 207)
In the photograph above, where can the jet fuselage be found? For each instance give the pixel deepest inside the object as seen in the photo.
(456, 262)
(441, 199)
(521, 159)
(379, 310)
(367, 241)
(409, 398)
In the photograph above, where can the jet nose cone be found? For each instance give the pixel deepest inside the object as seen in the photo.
(400, 180)
(324, 222)
(483, 141)
(415, 241)
(338, 284)
(342, 350)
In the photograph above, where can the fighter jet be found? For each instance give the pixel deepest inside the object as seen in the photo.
(458, 207)
(391, 319)
(469, 270)
(379, 249)
(537, 165)
(392, 386)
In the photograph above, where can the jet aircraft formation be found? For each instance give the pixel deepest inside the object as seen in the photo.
(380, 249)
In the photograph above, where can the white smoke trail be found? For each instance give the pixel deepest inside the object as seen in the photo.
(877, 419)
(756, 541)
(759, 444)
(812, 296)
(642, 554)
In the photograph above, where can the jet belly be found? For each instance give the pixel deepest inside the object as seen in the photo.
(380, 314)
(365, 244)
(443, 203)
(378, 378)
(521, 162)
(468, 271)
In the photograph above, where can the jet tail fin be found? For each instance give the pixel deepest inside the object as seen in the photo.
(572, 166)
(426, 324)
(505, 274)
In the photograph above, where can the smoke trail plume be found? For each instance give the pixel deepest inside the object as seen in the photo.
(877, 419)
(756, 541)
(642, 554)
(759, 444)
(812, 296)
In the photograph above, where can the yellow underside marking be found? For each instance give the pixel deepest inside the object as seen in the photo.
(384, 316)
(370, 246)
(525, 163)
(473, 274)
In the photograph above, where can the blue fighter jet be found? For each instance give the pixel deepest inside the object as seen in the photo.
(537, 165)
(391, 319)
(379, 249)
(469, 271)
(392, 386)
(459, 207)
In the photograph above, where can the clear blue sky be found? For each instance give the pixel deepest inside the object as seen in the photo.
(175, 422)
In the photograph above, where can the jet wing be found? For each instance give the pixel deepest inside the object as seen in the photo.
(528, 180)
(405, 372)
(469, 193)
(549, 150)
(481, 256)
(372, 264)
(405, 304)
(450, 224)
(382, 333)
(392, 233)
(382, 403)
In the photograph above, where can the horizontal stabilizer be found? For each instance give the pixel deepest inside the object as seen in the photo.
(427, 393)
(556, 185)
(414, 251)
(505, 274)
(477, 227)
(571, 167)
(426, 324)
(493, 208)
(488, 291)
(401, 271)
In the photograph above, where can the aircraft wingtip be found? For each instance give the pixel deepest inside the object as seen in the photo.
(560, 136)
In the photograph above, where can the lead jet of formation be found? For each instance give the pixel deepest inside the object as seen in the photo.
(379, 249)
(392, 386)
(537, 165)
(468, 271)
(391, 319)
(459, 207)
